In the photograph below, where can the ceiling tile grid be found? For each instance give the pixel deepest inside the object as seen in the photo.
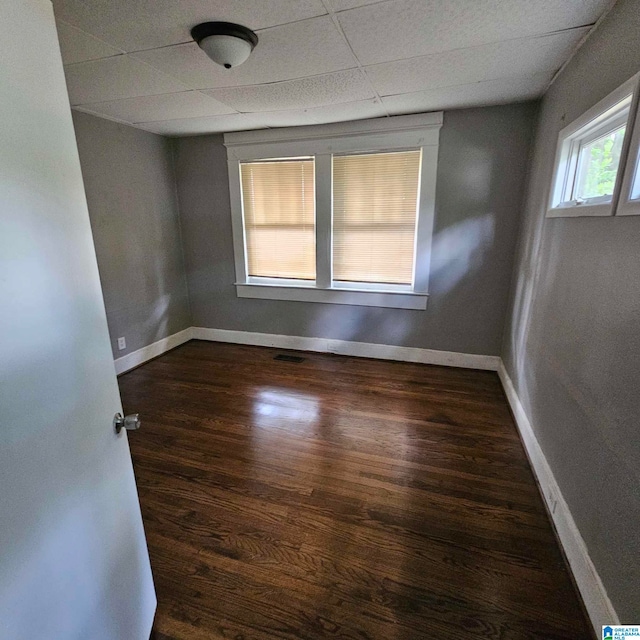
(78, 46)
(316, 61)
(343, 5)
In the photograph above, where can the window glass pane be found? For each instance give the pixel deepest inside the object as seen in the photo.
(278, 199)
(598, 165)
(375, 203)
(635, 187)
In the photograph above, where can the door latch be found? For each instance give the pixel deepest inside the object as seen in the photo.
(130, 422)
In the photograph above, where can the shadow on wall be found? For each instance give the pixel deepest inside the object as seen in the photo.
(456, 252)
(459, 249)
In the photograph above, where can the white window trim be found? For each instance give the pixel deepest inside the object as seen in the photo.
(379, 135)
(627, 206)
(566, 153)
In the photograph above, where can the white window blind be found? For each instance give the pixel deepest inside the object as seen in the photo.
(278, 198)
(375, 203)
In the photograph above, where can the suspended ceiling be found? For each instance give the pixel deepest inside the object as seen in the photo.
(317, 61)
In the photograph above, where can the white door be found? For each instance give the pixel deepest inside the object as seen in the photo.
(73, 557)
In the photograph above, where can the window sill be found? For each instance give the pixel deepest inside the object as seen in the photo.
(629, 208)
(357, 297)
(581, 210)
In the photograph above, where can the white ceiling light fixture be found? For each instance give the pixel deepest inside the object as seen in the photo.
(226, 43)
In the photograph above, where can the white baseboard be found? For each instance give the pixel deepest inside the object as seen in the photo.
(348, 348)
(136, 358)
(322, 345)
(594, 594)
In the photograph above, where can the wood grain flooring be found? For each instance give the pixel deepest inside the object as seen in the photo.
(340, 498)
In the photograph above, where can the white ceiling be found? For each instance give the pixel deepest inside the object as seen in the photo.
(317, 60)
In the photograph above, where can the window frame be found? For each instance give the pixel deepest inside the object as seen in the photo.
(627, 205)
(591, 125)
(396, 133)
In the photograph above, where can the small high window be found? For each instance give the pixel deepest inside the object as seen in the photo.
(591, 157)
(629, 201)
(598, 162)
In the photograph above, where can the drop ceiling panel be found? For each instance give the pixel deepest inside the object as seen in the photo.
(320, 115)
(133, 25)
(515, 58)
(197, 126)
(333, 88)
(400, 29)
(187, 104)
(116, 78)
(350, 111)
(486, 93)
(78, 46)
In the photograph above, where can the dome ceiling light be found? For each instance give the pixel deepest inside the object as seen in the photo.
(225, 43)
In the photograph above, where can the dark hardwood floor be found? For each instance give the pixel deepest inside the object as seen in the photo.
(340, 498)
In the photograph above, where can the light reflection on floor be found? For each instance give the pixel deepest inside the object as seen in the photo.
(283, 408)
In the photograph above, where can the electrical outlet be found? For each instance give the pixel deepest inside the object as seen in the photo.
(122, 344)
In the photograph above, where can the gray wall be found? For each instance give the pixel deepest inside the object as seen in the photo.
(572, 343)
(481, 170)
(130, 185)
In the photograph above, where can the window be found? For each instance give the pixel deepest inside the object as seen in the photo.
(336, 213)
(635, 187)
(629, 202)
(598, 163)
(375, 205)
(278, 200)
(591, 157)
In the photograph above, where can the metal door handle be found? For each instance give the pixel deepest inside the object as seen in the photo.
(130, 422)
